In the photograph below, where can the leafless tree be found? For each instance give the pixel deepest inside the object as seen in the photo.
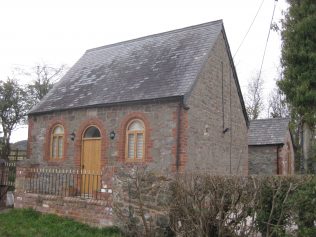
(254, 98)
(43, 78)
(278, 107)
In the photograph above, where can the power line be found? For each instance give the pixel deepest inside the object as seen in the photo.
(249, 28)
(265, 48)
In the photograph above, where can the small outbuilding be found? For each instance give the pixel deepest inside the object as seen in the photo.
(270, 147)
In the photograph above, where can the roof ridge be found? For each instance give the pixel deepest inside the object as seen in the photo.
(155, 35)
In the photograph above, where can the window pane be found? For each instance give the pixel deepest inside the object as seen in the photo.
(140, 145)
(92, 132)
(60, 147)
(131, 143)
(59, 130)
(54, 147)
(136, 126)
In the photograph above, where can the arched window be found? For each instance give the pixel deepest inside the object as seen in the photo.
(92, 132)
(135, 141)
(57, 143)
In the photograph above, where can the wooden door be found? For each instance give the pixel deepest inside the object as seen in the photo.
(91, 155)
(91, 162)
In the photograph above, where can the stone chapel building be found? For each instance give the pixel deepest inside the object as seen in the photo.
(171, 101)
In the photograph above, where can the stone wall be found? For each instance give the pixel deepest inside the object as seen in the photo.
(141, 201)
(263, 160)
(214, 105)
(160, 134)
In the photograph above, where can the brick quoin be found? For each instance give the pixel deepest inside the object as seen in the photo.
(46, 148)
(183, 140)
(30, 138)
(122, 132)
(78, 140)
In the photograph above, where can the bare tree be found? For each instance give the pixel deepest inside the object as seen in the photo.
(43, 78)
(278, 107)
(254, 99)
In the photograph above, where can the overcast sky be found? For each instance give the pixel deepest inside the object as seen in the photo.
(58, 32)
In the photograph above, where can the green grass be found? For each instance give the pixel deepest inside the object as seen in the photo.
(29, 223)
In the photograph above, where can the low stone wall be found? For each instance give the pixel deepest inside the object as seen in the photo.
(141, 201)
(93, 212)
(86, 210)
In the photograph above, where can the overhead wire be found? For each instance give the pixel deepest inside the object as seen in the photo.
(249, 28)
(265, 48)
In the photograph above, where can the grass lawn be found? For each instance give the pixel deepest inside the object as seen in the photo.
(29, 223)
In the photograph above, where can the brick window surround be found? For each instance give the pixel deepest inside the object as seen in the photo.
(48, 137)
(78, 140)
(122, 138)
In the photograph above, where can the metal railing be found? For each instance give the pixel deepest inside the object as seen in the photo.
(66, 183)
(7, 174)
(7, 179)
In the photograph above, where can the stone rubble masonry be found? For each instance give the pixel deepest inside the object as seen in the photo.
(152, 200)
(263, 160)
(208, 147)
(275, 159)
(160, 138)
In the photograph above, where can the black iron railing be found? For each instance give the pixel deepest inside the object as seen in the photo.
(7, 174)
(7, 179)
(66, 183)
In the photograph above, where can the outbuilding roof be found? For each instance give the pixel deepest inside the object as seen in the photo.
(268, 131)
(158, 66)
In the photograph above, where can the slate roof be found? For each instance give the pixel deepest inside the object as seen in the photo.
(267, 131)
(158, 66)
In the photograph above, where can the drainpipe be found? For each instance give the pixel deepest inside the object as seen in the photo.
(278, 160)
(178, 135)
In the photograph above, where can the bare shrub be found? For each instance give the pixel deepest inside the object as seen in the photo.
(148, 204)
(204, 205)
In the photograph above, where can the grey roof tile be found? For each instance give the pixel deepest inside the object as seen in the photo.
(151, 67)
(268, 131)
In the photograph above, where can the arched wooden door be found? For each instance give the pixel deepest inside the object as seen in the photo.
(91, 160)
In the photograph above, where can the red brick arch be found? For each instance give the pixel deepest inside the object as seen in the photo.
(78, 140)
(47, 143)
(122, 135)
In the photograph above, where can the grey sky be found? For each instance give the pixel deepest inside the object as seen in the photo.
(58, 32)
